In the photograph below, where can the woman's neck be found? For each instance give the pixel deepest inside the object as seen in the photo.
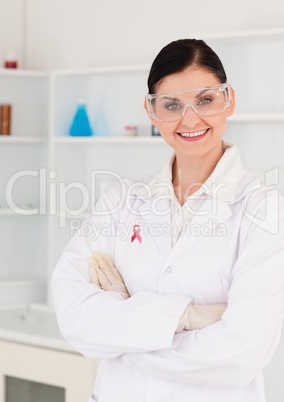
(188, 174)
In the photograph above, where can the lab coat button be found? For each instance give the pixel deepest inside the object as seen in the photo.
(169, 269)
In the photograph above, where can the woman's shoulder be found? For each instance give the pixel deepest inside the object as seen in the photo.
(260, 199)
(256, 184)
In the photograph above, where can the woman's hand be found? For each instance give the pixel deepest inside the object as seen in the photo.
(197, 316)
(105, 275)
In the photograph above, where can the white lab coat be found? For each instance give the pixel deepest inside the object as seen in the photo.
(238, 258)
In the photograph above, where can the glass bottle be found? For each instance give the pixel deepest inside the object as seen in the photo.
(81, 125)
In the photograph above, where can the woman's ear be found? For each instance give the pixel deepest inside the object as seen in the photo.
(231, 108)
(153, 121)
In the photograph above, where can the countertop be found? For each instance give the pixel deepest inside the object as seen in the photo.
(33, 325)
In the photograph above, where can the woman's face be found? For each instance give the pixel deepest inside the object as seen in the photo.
(193, 135)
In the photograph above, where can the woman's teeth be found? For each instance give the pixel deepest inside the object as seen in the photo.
(194, 134)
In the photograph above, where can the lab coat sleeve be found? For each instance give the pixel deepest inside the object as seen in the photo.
(231, 351)
(102, 324)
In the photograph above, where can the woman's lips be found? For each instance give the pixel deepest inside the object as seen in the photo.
(193, 135)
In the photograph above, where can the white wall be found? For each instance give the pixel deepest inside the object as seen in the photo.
(85, 33)
(11, 28)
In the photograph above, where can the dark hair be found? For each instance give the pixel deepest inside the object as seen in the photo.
(180, 54)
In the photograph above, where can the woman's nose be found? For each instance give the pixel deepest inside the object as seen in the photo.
(190, 117)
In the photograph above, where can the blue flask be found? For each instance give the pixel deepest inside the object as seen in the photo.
(81, 125)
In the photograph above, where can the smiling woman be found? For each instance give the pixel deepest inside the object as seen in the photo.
(189, 100)
(193, 312)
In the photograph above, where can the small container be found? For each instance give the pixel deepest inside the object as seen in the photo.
(131, 131)
(10, 60)
(155, 131)
(5, 119)
(81, 125)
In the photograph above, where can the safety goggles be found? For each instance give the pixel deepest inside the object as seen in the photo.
(205, 101)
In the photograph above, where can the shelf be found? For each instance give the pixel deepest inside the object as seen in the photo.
(101, 70)
(19, 283)
(22, 289)
(257, 117)
(109, 140)
(70, 217)
(14, 72)
(11, 139)
(32, 324)
(258, 34)
(17, 211)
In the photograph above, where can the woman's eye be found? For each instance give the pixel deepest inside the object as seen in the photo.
(204, 101)
(173, 106)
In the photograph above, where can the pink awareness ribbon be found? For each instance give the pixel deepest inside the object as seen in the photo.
(136, 235)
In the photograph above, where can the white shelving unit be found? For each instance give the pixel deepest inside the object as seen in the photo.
(61, 166)
(23, 238)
